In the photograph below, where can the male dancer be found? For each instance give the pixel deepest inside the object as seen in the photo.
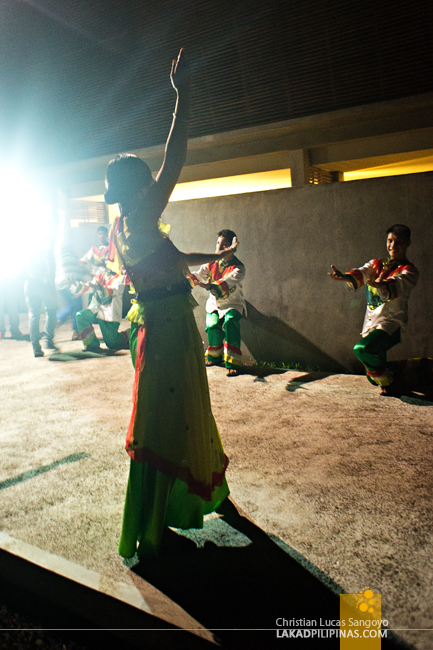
(224, 307)
(388, 283)
(105, 309)
(94, 259)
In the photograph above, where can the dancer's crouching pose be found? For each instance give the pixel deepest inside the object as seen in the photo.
(388, 285)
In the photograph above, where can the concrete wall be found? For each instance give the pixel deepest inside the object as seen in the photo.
(289, 238)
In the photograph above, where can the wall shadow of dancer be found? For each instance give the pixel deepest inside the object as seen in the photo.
(297, 383)
(414, 377)
(270, 339)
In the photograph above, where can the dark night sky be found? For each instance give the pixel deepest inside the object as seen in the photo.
(89, 77)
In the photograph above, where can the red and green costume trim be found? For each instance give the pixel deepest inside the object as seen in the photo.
(371, 351)
(224, 337)
(113, 339)
(355, 278)
(389, 269)
(216, 274)
(142, 446)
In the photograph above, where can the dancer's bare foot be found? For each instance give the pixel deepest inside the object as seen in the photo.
(233, 372)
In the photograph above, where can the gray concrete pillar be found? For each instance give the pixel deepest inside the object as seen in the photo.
(299, 167)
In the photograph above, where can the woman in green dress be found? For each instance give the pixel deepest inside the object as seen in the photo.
(177, 471)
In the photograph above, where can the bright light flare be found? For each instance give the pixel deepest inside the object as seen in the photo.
(25, 221)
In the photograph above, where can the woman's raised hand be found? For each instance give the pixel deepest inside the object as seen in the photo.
(235, 243)
(180, 74)
(227, 252)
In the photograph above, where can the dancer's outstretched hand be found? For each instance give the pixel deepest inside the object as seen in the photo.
(180, 74)
(336, 274)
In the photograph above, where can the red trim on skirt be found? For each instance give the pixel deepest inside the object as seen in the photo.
(139, 365)
(145, 455)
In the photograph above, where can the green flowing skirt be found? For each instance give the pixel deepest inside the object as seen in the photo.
(178, 463)
(154, 501)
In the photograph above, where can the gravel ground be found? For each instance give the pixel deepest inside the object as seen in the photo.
(338, 473)
(17, 632)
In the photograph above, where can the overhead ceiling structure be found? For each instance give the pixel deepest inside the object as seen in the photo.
(335, 86)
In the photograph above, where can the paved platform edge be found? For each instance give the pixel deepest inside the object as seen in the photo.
(103, 602)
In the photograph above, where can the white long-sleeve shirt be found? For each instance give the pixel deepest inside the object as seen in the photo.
(387, 309)
(94, 260)
(106, 302)
(226, 285)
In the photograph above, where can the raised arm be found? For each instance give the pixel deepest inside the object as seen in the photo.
(197, 259)
(176, 146)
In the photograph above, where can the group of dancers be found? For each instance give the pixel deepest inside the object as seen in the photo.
(177, 467)
(177, 460)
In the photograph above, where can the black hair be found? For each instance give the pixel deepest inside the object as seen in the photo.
(227, 234)
(103, 228)
(399, 229)
(126, 174)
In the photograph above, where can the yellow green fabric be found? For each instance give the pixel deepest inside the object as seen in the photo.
(154, 501)
(173, 432)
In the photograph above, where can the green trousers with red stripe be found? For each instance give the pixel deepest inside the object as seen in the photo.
(371, 351)
(113, 339)
(224, 338)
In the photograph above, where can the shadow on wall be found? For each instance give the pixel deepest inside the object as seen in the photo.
(271, 340)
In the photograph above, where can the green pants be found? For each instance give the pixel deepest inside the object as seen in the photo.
(113, 339)
(371, 352)
(224, 338)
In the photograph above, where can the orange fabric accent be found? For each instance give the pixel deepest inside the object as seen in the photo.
(139, 365)
(215, 273)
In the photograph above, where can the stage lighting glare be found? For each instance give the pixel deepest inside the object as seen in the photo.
(25, 219)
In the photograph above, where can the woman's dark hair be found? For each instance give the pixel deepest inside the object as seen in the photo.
(126, 174)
